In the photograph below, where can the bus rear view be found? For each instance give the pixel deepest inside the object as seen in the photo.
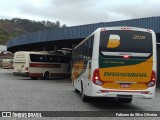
(117, 62)
(127, 63)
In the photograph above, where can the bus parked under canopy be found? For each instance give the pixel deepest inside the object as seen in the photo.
(116, 62)
(41, 64)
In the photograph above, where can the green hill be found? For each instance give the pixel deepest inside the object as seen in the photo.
(16, 27)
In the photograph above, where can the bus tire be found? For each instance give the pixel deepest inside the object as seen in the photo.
(84, 97)
(124, 100)
(46, 75)
(77, 91)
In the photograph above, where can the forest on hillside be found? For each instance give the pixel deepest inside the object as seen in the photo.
(10, 28)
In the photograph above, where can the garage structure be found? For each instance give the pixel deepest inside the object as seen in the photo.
(68, 37)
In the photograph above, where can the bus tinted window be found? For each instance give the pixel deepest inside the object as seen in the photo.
(49, 58)
(84, 51)
(37, 58)
(126, 41)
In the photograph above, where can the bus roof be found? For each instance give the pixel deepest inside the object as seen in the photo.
(40, 52)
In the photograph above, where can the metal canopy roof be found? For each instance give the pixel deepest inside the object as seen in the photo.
(76, 33)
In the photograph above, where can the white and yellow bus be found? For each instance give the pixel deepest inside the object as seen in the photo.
(117, 62)
(41, 64)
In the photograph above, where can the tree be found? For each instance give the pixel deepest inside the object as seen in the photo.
(57, 24)
(64, 26)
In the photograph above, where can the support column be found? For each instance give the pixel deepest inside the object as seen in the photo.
(56, 48)
(73, 46)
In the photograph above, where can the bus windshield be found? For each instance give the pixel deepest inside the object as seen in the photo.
(125, 41)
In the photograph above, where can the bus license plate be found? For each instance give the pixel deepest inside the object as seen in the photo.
(125, 85)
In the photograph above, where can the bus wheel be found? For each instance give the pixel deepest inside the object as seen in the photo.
(46, 75)
(124, 100)
(84, 97)
(77, 91)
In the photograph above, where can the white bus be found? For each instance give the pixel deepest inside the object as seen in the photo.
(7, 63)
(41, 64)
(118, 62)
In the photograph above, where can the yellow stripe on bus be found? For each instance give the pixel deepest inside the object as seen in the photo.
(132, 73)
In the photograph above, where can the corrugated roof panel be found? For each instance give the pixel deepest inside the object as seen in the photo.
(79, 32)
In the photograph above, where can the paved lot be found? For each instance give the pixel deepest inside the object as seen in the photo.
(23, 94)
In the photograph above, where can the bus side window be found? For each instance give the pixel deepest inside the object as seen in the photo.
(91, 46)
(81, 52)
(51, 59)
(89, 49)
(84, 50)
(75, 56)
(78, 53)
(62, 60)
(58, 59)
(41, 58)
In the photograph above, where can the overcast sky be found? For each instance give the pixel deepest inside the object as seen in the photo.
(79, 12)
